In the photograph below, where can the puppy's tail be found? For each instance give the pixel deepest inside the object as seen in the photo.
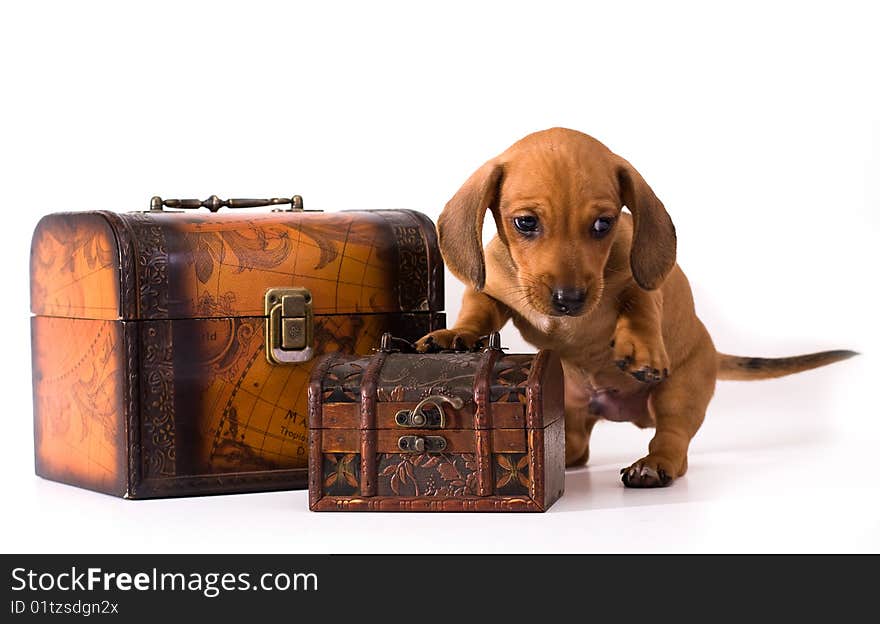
(734, 367)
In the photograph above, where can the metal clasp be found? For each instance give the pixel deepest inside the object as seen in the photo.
(421, 444)
(288, 325)
(421, 419)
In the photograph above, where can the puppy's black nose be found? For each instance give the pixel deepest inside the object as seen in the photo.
(569, 301)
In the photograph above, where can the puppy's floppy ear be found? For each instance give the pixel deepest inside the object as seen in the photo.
(652, 256)
(460, 226)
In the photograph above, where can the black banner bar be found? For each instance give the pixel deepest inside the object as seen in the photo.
(258, 588)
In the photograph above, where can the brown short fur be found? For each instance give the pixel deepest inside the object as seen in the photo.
(636, 351)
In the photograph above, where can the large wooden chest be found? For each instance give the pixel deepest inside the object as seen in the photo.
(459, 431)
(152, 376)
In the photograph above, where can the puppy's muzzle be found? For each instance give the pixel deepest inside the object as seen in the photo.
(568, 301)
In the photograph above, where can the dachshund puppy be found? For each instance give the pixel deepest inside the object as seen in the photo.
(599, 287)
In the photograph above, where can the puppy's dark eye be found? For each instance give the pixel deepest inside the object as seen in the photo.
(527, 224)
(601, 227)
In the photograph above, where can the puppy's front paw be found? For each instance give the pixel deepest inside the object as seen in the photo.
(447, 339)
(644, 359)
(648, 472)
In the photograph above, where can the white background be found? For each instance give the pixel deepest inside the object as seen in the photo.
(757, 125)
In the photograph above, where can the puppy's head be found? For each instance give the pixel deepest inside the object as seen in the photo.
(556, 197)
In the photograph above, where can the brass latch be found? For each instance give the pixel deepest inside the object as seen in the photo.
(288, 325)
(421, 444)
(422, 417)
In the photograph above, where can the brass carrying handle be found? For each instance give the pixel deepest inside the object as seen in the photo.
(214, 203)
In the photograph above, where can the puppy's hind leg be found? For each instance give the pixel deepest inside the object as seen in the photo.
(679, 406)
(578, 427)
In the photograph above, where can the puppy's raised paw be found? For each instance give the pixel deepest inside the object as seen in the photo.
(648, 472)
(443, 339)
(644, 359)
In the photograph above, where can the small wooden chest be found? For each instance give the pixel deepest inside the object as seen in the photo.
(460, 431)
(172, 350)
